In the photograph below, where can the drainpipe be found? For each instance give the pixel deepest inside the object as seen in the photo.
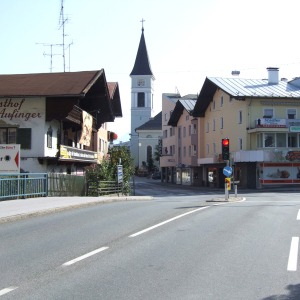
(249, 117)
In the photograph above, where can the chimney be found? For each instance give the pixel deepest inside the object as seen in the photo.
(273, 75)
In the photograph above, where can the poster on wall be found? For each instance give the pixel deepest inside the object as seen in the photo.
(87, 127)
(9, 159)
(280, 173)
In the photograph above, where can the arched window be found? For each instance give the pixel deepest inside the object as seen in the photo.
(149, 152)
(141, 99)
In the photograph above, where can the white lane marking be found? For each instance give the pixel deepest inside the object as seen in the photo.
(7, 290)
(167, 221)
(293, 258)
(73, 261)
(298, 216)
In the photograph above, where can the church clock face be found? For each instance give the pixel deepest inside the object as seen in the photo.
(141, 82)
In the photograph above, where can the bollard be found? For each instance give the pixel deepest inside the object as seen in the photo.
(235, 190)
(226, 193)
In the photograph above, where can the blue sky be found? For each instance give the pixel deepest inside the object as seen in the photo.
(186, 40)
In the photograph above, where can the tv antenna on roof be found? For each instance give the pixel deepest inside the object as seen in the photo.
(51, 54)
(62, 22)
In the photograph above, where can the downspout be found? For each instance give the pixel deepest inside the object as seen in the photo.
(249, 123)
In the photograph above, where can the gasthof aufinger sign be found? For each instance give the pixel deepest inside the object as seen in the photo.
(9, 158)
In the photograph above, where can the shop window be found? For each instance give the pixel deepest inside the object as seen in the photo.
(292, 140)
(280, 140)
(212, 175)
(238, 175)
(269, 140)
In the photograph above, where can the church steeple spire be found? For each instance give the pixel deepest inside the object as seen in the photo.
(142, 64)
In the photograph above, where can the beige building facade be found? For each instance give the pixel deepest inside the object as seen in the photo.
(262, 122)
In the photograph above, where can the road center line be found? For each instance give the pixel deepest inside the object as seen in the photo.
(293, 258)
(73, 261)
(167, 221)
(298, 216)
(7, 290)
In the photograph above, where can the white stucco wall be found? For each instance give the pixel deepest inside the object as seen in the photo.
(26, 113)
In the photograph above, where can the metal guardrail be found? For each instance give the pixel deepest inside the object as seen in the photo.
(22, 185)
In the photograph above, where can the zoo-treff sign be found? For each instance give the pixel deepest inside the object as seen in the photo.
(9, 158)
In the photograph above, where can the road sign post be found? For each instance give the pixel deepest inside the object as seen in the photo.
(120, 177)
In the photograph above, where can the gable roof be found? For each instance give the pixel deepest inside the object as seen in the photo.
(185, 103)
(142, 64)
(114, 94)
(240, 89)
(152, 124)
(64, 84)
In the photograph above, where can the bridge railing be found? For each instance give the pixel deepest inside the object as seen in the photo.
(22, 185)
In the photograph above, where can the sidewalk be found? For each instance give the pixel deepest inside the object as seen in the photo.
(11, 210)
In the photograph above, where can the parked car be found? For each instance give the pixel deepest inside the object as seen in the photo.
(156, 175)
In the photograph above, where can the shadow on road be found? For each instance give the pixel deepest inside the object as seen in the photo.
(294, 293)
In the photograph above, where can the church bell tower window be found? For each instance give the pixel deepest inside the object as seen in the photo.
(141, 99)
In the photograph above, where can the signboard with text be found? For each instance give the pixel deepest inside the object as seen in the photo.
(71, 153)
(9, 158)
(120, 173)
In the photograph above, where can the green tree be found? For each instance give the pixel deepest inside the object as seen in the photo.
(107, 170)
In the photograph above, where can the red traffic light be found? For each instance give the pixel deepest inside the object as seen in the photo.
(225, 142)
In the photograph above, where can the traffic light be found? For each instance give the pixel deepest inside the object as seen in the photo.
(225, 149)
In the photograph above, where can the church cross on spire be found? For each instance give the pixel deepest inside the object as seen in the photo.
(142, 24)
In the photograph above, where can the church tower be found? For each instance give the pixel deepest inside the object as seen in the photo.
(142, 91)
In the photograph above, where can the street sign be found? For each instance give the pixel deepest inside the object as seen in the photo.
(120, 174)
(227, 171)
(9, 158)
(227, 181)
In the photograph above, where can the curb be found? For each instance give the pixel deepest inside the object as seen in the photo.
(71, 206)
(230, 199)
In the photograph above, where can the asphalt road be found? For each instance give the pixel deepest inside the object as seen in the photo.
(177, 246)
